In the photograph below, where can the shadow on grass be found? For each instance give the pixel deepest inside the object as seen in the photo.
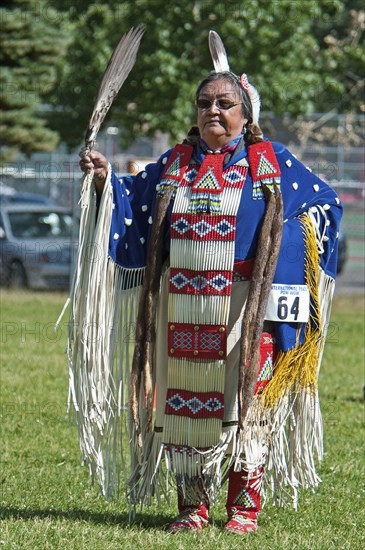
(359, 399)
(146, 521)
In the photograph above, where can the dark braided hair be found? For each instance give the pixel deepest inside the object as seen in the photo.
(253, 131)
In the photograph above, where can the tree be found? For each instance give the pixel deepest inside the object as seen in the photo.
(272, 41)
(341, 89)
(31, 49)
(296, 53)
(344, 61)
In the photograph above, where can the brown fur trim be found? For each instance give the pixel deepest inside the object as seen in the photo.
(253, 319)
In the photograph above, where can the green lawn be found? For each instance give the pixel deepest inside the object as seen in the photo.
(47, 501)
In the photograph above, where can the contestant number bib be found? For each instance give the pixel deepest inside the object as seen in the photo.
(288, 303)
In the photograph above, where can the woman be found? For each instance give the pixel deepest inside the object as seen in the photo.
(232, 244)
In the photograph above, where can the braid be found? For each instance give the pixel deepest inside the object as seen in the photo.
(253, 133)
(193, 136)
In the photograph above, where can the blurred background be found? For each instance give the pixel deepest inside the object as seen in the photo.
(306, 58)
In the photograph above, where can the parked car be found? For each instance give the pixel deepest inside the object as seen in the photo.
(19, 198)
(37, 245)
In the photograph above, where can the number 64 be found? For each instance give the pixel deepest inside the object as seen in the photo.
(283, 308)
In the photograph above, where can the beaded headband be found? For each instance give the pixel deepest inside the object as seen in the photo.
(221, 65)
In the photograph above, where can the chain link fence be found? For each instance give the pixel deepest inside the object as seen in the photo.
(331, 145)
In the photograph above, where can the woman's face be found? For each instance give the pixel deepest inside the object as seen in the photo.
(218, 126)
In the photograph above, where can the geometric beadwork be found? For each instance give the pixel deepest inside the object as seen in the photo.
(180, 225)
(220, 282)
(206, 283)
(210, 341)
(208, 182)
(267, 339)
(264, 167)
(209, 177)
(204, 202)
(196, 227)
(235, 176)
(244, 499)
(175, 168)
(268, 352)
(178, 280)
(194, 405)
(183, 339)
(208, 186)
(223, 228)
(202, 228)
(197, 341)
(271, 184)
(190, 175)
(244, 490)
(199, 283)
(242, 269)
(257, 193)
(266, 370)
(204, 212)
(263, 162)
(165, 183)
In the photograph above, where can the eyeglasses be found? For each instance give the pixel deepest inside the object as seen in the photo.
(221, 104)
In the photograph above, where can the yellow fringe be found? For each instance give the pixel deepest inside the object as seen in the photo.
(299, 365)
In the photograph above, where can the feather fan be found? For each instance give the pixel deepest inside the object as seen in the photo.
(118, 69)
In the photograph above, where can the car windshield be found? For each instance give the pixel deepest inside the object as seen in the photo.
(34, 225)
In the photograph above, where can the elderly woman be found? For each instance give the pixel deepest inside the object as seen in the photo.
(229, 246)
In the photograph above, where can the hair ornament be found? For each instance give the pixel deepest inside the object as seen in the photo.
(244, 82)
(221, 65)
(218, 53)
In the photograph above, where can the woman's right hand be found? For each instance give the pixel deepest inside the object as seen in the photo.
(95, 161)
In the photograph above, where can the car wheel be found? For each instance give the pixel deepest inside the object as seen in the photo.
(17, 276)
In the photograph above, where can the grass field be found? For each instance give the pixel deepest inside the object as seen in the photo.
(47, 502)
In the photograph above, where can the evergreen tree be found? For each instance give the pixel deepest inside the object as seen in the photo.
(31, 50)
